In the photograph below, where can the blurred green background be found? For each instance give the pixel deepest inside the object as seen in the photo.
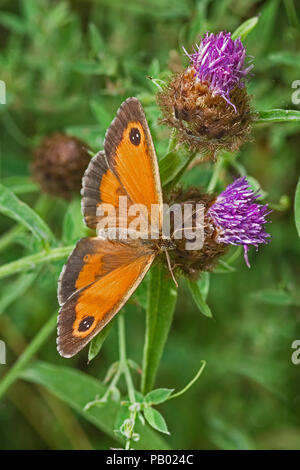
(67, 66)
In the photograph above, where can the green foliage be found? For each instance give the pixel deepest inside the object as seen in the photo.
(67, 67)
(76, 389)
(162, 297)
(199, 290)
(297, 208)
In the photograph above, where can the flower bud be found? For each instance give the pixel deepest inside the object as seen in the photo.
(59, 164)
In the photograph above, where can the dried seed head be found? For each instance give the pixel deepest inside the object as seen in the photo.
(208, 103)
(59, 164)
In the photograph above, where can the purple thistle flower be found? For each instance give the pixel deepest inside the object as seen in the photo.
(220, 61)
(238, 218)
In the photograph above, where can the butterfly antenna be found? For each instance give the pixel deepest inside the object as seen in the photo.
(170, 267)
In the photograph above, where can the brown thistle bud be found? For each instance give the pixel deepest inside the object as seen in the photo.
(208, 103)
(59, 163)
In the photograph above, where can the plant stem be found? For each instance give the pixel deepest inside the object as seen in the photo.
(185, 389)
(10, 236)
(25, 357)
(173, 140)
(215, 176)
(125, 369)
(29, 262)
(123, 358)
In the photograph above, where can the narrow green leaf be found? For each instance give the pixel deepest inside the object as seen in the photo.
(97, 342)
(73, 227)
(278, 115)
(284, 58)
(13, 22)
(141, 294)
(162, 296)
(224, 268)
(275, 297)
(297, 207)
(156, 420)
(173, 165)
(20, 286)
(89, 68)
(199, 290)
(101, 114)
(20, 184)
(245, 28)
(12, 207)
(158, 396)
(77, 389)
(20, 364)
(96, 40)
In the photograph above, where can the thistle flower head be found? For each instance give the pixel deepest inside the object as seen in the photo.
(239, 219)
(208, 103)
(220, 61)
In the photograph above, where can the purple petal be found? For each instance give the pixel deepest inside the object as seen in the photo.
(239, 219)
(220, 61)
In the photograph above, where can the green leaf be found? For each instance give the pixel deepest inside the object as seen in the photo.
(245, 28)
(13, 22)
(22, 361)
(101, 114)
(172, 165)
(76, 389)
(275, 297)
(284, 58)
(141, 293)
(73, 227)
(12, 207)
(224, 268)
(20, 286)
(96, 40)
(97, 342)
(158, 396)
(156, 420)
(278, 115)
(20, 184)
(162, 296)
(89, 68)
(256, 187)
(199, 290)
(297, 207)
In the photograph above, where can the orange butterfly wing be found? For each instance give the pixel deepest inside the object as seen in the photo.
(127, 167)
(98, 279)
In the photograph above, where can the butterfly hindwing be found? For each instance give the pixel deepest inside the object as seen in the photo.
(98, 279)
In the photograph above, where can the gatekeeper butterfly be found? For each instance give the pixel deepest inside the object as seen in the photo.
(103, 272)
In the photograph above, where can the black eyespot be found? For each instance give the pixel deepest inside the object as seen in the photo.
(135, 136)
(86, 323)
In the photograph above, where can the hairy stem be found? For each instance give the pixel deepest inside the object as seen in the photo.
(29, 262)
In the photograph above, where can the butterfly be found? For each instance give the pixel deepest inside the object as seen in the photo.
(102, 272)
